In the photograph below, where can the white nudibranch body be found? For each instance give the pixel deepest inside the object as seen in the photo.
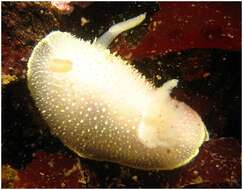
(104, 109)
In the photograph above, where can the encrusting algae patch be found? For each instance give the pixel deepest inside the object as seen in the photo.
(104, 109)
(6, 79)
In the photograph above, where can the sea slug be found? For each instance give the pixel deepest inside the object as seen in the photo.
(104, 109)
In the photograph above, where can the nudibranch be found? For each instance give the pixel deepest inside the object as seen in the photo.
(102, 108)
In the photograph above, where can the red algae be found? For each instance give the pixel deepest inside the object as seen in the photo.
(14, 56)
(52, 170)
(181, 26)
(218, 163)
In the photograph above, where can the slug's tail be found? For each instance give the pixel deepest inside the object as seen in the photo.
(118, 28)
